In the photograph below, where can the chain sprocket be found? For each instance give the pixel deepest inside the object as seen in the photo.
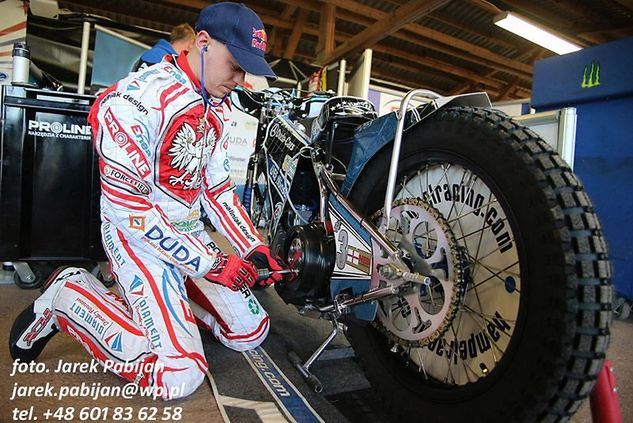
(455, 260)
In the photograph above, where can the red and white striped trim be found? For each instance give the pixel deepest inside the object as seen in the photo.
(261, 329)
(118, 197)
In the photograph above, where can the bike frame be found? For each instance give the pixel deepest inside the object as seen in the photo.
(338, 214)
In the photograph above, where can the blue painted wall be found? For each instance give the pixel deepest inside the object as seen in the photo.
(604, 137)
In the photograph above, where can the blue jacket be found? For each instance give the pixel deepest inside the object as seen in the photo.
(156, 53)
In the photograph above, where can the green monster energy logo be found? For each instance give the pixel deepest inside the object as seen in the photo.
(591, 75)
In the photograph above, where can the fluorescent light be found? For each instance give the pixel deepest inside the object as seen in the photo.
(523, 28)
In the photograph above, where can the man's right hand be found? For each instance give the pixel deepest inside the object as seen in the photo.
(232, 272)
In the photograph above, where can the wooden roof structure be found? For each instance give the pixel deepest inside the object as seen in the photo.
(449, 46)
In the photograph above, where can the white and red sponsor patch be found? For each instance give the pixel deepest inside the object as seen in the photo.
(127, 143)
(123, 179)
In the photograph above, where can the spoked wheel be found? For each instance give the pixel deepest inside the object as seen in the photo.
(515, 324)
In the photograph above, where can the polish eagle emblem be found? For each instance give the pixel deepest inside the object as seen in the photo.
(190, 155)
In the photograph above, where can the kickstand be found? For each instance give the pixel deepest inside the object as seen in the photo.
(304, 368)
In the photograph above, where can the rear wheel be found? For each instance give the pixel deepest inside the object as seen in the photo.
(518, 322)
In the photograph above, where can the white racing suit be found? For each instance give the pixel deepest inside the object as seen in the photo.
(162, 153)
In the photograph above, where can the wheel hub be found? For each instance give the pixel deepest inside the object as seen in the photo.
(295, 256)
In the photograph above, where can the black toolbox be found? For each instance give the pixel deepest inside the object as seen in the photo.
(49, 180)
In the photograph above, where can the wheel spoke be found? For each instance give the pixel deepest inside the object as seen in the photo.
(492, 341)
(421, 365)
(478, 231)
(459, 221)
(466, 367)
(461, 216)
(486, 316)
(495, 275)
(474, 270)
(493, 269)
(448, 184)
(449, 372)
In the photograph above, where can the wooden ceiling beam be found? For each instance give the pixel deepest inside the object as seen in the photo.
(119, 17)
(297, 30)
(427, 62)
(275, 44)
(415, 69)
(485, 5)
(400, 79)
(583, 11)
(609, 29)
(289, 10)
(503, 94)
(191, 4)
(419, 83)
(365, 18)
(413, 83)
(390, 23)
(440, 37)
(327, 26)
(628, 4)
(469, 86)
(462, 88)
(513, 85)
(432, 63)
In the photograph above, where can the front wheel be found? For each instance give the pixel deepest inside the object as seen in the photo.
(516, 327)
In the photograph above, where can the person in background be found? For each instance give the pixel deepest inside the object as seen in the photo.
(181, 38)
(162, 138)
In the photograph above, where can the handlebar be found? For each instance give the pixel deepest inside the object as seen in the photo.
(273, 101)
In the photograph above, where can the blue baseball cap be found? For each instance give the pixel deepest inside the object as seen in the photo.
(243, 33)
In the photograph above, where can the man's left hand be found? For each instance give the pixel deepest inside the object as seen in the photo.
(262, 257)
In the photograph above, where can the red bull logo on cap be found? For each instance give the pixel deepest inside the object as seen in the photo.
(260, 39)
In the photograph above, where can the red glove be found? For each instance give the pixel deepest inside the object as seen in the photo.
(264, 259)
(232, 272)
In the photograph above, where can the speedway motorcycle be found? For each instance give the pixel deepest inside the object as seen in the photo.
(458, 251)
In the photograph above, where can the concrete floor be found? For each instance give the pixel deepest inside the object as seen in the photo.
(201, 406)
(619, 352)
